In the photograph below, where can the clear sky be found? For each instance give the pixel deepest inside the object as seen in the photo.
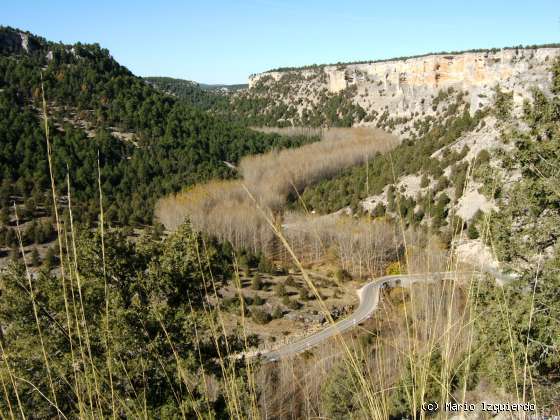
(223, 41)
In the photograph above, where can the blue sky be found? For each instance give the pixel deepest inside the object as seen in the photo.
(221, 41)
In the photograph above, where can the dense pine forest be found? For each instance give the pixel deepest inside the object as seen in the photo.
(191, 92)
(171, 142)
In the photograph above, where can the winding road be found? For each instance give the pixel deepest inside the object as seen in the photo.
(369, 299)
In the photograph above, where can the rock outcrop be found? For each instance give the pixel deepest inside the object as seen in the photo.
(13, 41)
(409, 88)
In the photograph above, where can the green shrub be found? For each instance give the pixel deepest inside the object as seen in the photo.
(265, 265)
(483, 157)
(290, 282)
(379, 210)
(459, 188)
(393, 268)
(442, 183)
(260, 316)
(243, 263)
(503, 104)
(340, 396)
(439, 212)
(256, 283)
(341, 275)
(391, 198)
(35, 259)
(294, 304)
(472, 231)
(50, 259)
(304, 294)
(280, 290)
(277, 313)
(418, 216)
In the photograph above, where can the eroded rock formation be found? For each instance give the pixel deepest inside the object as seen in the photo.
(407, 88)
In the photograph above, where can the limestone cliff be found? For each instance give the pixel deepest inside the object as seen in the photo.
(407, 89)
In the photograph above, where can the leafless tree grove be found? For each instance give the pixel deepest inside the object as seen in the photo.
(273, 176)
(360, 246)
(222, 209)
(225, 209)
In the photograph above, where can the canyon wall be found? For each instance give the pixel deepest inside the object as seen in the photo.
(407, 88)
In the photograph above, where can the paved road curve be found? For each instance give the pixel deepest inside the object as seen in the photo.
(369, 299)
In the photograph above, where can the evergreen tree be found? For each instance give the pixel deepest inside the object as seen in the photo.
(50, 259)
(35, 259)
(472, 231)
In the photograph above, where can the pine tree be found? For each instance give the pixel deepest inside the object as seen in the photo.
(35, 259)
(472, 231)
(50, 259)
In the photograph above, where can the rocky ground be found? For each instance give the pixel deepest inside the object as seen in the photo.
(293, 313)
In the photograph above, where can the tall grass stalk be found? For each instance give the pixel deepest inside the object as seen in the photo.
(86, 360)
(412, 351)
(182, 374)
(57, 219)
(228, 370)
(108, 341)
(249, 365)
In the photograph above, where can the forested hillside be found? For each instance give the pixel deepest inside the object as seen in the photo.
(410, 157)
(525, 233)
(191, 92)
(149, 143)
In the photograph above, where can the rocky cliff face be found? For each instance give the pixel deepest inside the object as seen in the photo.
(410, 88)
(13, 41)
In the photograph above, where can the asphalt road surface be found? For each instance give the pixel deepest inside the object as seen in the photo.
(369, 299)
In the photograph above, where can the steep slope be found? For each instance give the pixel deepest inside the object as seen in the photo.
(191, 92)
(392, 94)
(449, 109)
(149, 143)
(460, 118)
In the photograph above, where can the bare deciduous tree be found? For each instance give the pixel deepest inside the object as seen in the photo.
(225, 210)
